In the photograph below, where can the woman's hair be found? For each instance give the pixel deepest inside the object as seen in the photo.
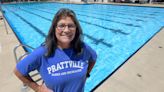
(51, 40)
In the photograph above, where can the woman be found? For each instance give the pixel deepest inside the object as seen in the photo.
(64, 61)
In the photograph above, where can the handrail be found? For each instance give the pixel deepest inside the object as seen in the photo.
(15, 54)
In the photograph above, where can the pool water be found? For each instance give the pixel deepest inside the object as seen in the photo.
(116, 32)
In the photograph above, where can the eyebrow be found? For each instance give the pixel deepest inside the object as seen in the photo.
(66, 23)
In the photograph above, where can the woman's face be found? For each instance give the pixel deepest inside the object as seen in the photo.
(65, 31)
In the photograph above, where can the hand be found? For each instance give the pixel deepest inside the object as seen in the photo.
(43, 88)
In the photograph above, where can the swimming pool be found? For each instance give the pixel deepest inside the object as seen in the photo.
(115, 32)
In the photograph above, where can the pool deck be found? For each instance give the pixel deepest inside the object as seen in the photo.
(143, 72)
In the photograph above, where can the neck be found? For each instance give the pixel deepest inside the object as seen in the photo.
(63, 46)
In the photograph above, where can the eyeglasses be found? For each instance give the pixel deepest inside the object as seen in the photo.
(63, 26)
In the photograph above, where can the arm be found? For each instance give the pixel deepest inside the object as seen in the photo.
(92, 58)
(91, 64)
(27, 80)
(90, 67)
(28, 64)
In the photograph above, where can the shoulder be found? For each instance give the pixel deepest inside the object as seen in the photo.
(39, 51)
(88, 49)
(89, 52)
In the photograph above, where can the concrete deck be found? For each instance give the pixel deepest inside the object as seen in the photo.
(141, 73)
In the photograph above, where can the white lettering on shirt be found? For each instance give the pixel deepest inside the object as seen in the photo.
(65, 64)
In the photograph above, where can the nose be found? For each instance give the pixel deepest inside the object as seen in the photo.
(66, 29)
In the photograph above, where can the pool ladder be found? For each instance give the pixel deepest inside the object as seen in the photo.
(17, 59)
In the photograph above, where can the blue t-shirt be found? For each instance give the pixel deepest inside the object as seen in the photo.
(63, 72)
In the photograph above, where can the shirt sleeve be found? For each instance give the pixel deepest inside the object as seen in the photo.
(30, 62)
(92, 53)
